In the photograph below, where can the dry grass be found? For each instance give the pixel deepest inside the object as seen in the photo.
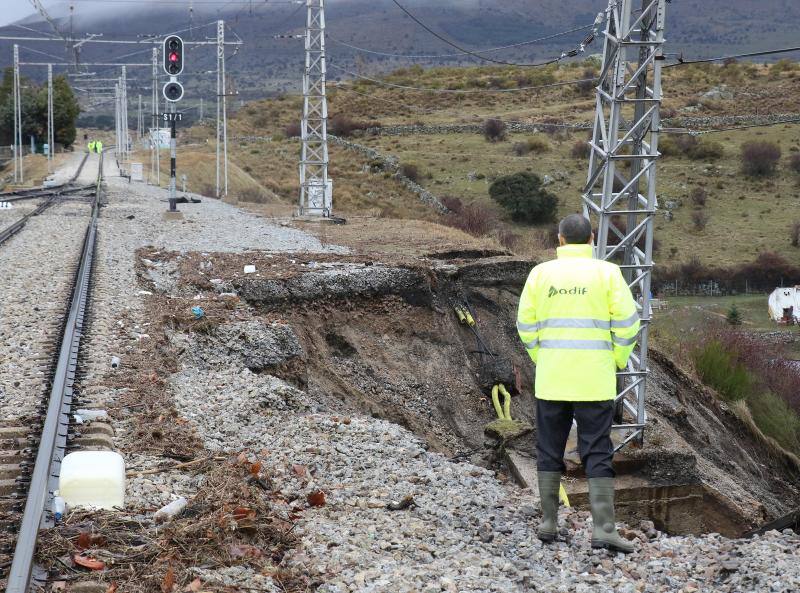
(230, 522)
(412, 238)
(34, 168)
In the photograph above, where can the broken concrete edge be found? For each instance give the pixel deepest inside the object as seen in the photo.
(417, 284)
(681, 508)
(715, 399)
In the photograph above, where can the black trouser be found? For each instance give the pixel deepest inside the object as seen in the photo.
(553, 423)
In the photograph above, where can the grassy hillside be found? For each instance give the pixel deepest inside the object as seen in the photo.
(745, 215)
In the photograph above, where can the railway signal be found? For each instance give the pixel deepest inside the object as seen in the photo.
(173, 55)
(173, 92)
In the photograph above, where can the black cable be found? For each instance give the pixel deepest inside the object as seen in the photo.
(439, 56)
(466, 51)
(682, 62)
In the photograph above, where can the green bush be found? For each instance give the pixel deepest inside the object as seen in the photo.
(775, 418)
(718, 368)
(524, 197)
(690, 147)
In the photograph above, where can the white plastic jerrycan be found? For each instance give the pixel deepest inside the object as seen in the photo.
(93, 479)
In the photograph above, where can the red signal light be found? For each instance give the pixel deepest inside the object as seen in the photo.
(174, 57)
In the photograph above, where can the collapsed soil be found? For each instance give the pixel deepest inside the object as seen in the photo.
(396, 351)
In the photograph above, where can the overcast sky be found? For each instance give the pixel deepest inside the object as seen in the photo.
(13, 10)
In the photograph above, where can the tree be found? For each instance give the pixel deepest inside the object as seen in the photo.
(524, 197)
(65, 111)
(733, 316)
(34, 110)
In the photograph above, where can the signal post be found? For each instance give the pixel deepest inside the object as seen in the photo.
(173, 92)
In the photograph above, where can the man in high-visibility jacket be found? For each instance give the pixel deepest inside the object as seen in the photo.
(578, 321)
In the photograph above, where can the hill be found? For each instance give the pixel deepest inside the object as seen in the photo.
(266, 64)
(744, 216)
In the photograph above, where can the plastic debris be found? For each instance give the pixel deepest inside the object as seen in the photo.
(250, 269)
(89, 415)
(59, 506)
(88, 562)
(198, 312)
(170, 511)
(115, 362)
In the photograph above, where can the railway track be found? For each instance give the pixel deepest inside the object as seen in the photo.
(30, 454)
(38, 192)
(49, 195)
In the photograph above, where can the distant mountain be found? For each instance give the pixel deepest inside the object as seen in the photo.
(264, 64)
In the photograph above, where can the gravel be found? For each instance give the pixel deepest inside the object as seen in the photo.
(133, 218)
(466, 531)
(37, 268)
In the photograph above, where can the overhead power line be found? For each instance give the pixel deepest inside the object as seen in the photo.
(460, 53)
(581, 48)
(784, 50)
(460, 91)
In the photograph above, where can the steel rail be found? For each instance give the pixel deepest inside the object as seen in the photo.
(12, 230)
(53, 440)
(33, 191)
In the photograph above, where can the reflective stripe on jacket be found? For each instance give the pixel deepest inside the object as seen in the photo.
(578, 321)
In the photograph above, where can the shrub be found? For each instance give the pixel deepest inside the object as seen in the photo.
(343, 125)
(760, 158)
(691, 147)
(474, 219)
(523, 196)
(534, 145)
(794, 163)
(508, 239)
(700, 220)
(253, 195)
(734, 317)
(699, 197)
(794, 234)
(587, 85)
(706, 150)
(452, 203)
(410, 171)
(580, 150)
(775, 418)
(718, 368)
(292, 130)
(494, 130)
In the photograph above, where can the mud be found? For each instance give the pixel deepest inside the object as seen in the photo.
(382, 338)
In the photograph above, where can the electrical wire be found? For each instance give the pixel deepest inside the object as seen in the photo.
(44, 53)
(581, 48)
(460, 91)
(682, 62)
(438, 56)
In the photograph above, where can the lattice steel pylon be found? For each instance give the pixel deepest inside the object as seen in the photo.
(316, 188)
(620, 194)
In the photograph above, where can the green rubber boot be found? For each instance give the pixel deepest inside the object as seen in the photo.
(548, 493)
(604, 535)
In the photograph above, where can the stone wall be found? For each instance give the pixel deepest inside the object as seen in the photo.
(380, 162)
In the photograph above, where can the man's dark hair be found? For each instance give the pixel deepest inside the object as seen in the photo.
(576, 229)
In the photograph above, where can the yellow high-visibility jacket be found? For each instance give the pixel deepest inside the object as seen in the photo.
(578, 321)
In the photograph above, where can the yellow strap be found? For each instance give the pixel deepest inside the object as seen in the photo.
(562, 495)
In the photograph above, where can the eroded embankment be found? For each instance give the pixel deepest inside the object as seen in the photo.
(381, 338)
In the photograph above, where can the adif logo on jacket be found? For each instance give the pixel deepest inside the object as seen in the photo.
(574, 291)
